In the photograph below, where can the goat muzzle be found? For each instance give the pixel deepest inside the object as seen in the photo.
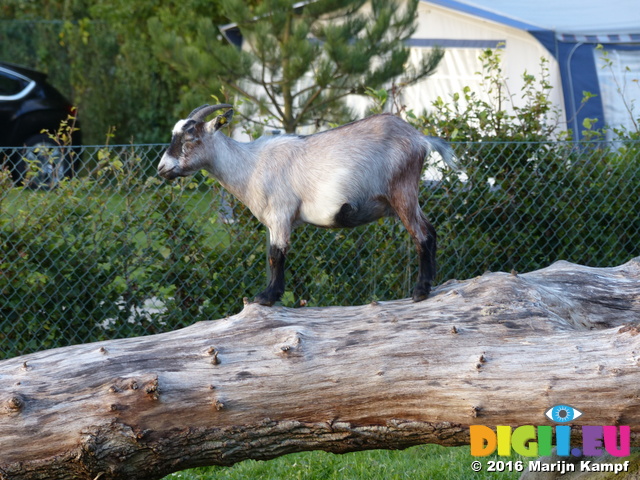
(168, 169)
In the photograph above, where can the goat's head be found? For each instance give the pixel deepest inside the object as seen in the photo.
(187, 155)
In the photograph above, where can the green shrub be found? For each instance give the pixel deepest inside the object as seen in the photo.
(527, 198)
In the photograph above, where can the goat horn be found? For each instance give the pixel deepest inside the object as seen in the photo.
(200, 113)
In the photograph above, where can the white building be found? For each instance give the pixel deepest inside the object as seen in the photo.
(565, 32)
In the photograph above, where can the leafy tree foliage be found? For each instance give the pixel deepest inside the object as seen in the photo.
(101, 55)
(300, 61)
(139, 65)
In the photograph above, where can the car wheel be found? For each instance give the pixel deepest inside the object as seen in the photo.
(42, 163)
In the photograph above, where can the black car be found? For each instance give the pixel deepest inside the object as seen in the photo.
(28, 106)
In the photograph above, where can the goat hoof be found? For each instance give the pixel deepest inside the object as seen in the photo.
(266, 299)
(421, 293)
(263, 301)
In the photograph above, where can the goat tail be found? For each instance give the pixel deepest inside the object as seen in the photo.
(444, 149)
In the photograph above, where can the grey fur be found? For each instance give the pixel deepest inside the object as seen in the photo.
(346, 176)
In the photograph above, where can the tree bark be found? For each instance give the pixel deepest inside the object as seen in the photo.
(499, 349)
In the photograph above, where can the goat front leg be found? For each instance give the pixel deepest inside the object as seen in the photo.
(279, 244)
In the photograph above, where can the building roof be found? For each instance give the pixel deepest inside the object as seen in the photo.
(572, 17)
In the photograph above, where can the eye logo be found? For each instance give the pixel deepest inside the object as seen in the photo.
(563, 413)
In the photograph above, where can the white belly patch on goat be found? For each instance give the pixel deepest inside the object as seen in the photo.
(329, 196)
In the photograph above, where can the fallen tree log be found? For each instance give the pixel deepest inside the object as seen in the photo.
(499, 349)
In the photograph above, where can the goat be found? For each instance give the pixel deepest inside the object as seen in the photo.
(343, 177)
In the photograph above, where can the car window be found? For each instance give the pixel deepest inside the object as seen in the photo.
(13, 87)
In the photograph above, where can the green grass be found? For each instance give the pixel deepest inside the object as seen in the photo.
(431, 462)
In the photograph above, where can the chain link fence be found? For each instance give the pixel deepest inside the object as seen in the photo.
(114, 251)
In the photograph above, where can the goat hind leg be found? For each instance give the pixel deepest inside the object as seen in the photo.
(427, 261)
(424, 237)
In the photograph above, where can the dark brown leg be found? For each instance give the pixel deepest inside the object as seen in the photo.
(424, 237)
(275, 288)
(427, 261)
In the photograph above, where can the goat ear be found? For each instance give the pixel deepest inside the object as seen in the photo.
(222, 120)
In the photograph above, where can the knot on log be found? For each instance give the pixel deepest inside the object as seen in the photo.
(14, 403)
(632, 330)
(139, 386)
(291, 344)
(151, 389)
(211, 351)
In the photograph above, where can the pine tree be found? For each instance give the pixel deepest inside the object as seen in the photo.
(301, 59)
